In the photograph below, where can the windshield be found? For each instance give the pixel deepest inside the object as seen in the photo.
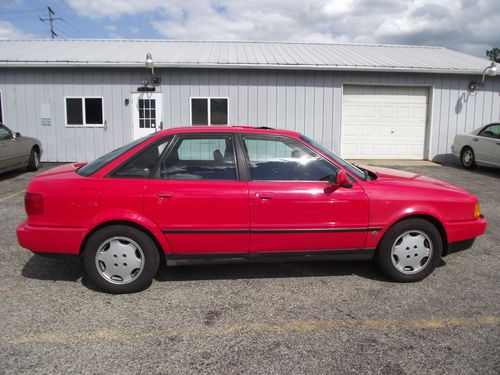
(98, 163)
(350, 167)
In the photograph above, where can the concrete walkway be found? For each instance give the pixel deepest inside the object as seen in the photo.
(392, 163)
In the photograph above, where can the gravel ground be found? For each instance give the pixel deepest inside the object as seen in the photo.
(292, 318)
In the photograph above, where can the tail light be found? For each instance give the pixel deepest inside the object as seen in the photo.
(33, 203)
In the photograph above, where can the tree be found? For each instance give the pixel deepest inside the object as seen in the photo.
(494, 54)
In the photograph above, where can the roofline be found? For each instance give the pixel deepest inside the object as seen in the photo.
(89, 64)
(225, 41)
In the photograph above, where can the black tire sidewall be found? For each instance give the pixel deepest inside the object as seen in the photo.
(31, 163)
(151, 259)
(473, 162)
(384, 256)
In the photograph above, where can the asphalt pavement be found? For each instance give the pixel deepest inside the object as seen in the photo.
(288, 318)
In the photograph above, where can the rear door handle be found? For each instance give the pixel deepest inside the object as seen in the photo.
(264, 196)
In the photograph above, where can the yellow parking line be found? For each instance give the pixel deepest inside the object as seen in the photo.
(7, 197)
(295, 326)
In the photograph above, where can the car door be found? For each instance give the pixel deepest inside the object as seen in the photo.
(494, 135)
(197, 198)
(484, 145)
(8, 149)
(291, 209)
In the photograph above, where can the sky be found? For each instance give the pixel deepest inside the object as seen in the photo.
(469, 26)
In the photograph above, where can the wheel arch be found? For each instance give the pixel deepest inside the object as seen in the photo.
(430, 218)
(161, 249)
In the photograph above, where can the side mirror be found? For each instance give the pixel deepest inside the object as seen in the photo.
(342, 179)
(17, 135)
(336, 181)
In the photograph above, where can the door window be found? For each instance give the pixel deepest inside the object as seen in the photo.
(141, 165)
(147, 113)
(492, 131)
(284, 159)
(201, 158)
(4, 133)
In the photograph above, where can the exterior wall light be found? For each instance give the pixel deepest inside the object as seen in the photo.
(490, 70)
(150, 65)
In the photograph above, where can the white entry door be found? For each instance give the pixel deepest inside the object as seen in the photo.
(146, 113)
(384, 122)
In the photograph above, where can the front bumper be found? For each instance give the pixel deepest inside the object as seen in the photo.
(461, 235)
(50, 239)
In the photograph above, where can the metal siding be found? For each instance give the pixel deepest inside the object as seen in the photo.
(309, 102)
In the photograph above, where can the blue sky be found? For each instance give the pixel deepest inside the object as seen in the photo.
(465, 25)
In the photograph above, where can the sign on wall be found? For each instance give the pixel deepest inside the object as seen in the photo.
(45, 116)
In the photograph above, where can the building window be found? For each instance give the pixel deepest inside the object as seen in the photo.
(209, 111)
(84, 111)
(147, 113)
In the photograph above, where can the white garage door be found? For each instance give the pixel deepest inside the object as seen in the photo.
(384, 122)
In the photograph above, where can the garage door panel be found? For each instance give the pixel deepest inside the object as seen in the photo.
(384, 122)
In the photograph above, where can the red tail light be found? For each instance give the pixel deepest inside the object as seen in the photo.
(33, 203)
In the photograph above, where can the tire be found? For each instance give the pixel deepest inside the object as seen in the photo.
(410, 250)
(468, 158)
(121, 259)
(34, 161)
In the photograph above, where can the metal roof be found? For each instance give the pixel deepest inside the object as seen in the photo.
(237, 54)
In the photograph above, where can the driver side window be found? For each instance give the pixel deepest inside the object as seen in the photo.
(284, 159)
(492, 131)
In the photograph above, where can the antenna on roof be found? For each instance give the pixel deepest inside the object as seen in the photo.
(51, 20)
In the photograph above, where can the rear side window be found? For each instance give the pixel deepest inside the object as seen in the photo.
(208, 157)
(284, 159)
(143, 164)
(98, 163)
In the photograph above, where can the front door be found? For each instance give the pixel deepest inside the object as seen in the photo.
(290, 209)
(146, 113)
(197, 199)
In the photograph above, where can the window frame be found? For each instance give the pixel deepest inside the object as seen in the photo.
(179, 137)
(246, 160)
(480, 134)
(209, 114)
(2, 115)
(84, 115)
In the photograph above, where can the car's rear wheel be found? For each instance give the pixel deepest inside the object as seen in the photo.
(468, 158)
(121, 259)
(34, 161)
(410, 250)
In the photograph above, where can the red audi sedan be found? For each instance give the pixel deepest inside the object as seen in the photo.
(240, 194)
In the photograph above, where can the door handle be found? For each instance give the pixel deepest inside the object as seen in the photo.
(162, 196)
(475, 139)
(264, 196)
(498, 143)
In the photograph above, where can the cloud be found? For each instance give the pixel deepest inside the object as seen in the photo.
(8, 31)
(466, 25)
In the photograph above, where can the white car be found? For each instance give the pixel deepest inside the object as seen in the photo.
(482, 146)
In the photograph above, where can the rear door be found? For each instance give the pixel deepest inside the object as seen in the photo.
(290, 209)
(197, 199)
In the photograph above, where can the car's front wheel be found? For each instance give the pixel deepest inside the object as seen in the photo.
(410, 250)
(121, 259)
(468, 158)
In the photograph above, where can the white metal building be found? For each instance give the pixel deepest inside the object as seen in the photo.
(82, 98)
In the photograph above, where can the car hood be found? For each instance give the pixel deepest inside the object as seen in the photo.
(61, 169)
(408, 178)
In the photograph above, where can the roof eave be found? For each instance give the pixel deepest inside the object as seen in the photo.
(361, 68)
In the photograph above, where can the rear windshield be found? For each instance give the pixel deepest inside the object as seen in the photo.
(93, 167)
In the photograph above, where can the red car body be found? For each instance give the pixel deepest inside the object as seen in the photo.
(190, 219)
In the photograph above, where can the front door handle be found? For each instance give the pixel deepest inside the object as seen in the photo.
(475, 139)
(162, 196)
(264, 196)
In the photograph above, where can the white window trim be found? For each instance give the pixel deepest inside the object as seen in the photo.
(84, 125)
(209, 118)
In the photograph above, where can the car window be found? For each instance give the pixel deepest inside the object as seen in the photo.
(284, 159)
(4, 133)
(195, 157)
(492, 131)
(142, 164)
(98, 163)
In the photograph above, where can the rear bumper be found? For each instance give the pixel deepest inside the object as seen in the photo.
(50, 239)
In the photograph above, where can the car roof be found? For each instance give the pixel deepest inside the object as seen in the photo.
(228, 129)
